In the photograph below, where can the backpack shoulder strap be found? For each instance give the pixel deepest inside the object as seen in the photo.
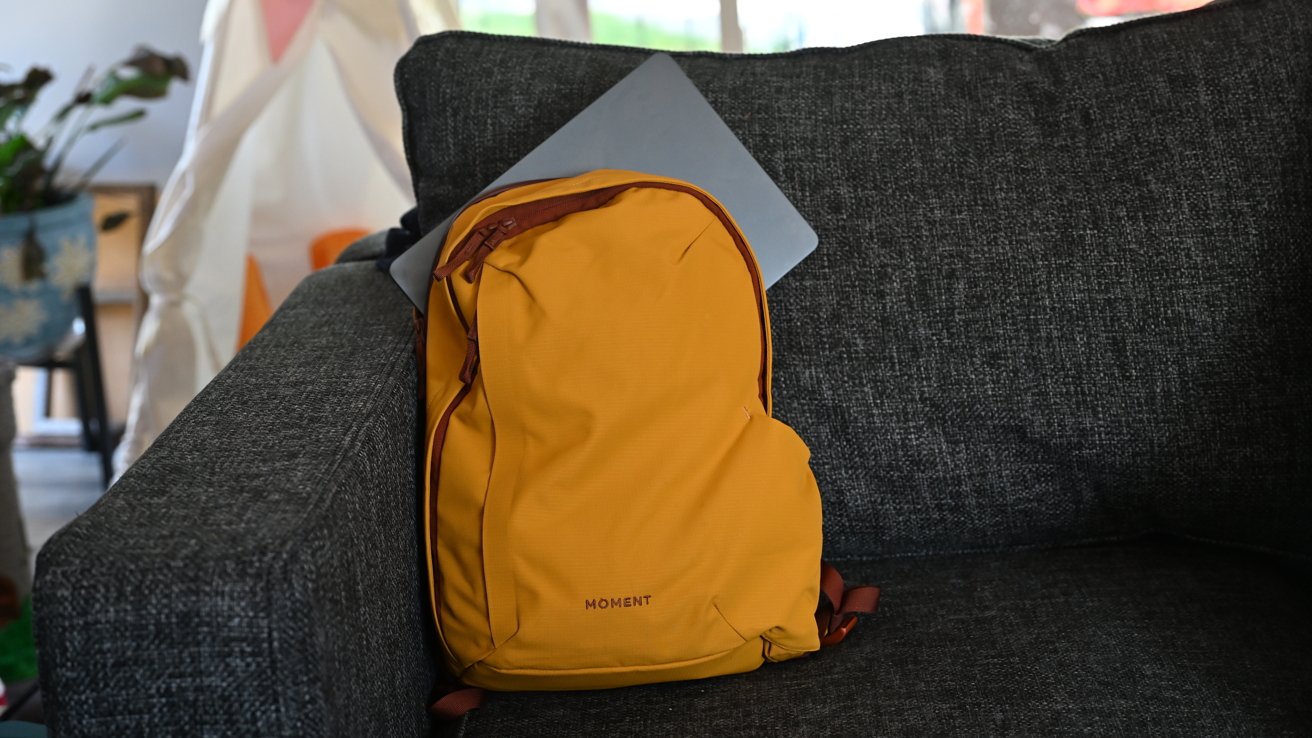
(840, 604)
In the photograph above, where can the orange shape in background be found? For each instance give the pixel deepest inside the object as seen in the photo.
(326, 248)
(256, 308)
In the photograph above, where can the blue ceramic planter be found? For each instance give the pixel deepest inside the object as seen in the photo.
(37, 312)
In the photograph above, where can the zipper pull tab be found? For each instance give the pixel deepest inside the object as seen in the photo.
(470, 364)
(461, 254)
(504, 230)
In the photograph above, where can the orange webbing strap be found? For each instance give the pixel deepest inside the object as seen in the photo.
(840, 605)
(456, 703)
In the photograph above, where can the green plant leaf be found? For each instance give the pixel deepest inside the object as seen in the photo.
(10, 148)
(150, 62)
(20, 182)
(21, 168)
(17, 97)
(141, 86)
(26, 90)
(8, 111)
(116, 120)
(37, 77)
(154, 72)
(28, 170)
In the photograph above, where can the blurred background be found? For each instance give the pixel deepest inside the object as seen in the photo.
(763, 26)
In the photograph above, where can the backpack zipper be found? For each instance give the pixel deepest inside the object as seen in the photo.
(460, 315)
(483, 239)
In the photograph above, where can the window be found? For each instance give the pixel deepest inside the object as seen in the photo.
(757, 26)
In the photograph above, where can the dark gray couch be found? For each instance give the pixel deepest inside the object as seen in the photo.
(1052, 356)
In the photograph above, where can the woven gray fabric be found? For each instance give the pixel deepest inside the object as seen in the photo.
(1136, 640)
(1062, 291)
(371, 247)
(257, 571)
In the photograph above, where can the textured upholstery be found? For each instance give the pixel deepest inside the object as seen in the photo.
(1135, 640)
(1063, 292)
(368, 248)
(256, 572)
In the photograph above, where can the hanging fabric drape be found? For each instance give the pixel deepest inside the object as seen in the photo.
(565, 19)
(295, 131)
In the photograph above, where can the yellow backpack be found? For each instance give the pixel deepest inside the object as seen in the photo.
(608, 501)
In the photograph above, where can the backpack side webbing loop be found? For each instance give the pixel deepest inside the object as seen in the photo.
(840, 604)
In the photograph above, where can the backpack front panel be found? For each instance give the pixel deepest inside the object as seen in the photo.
(637, 513)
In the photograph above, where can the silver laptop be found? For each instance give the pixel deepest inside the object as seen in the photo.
(653, 121)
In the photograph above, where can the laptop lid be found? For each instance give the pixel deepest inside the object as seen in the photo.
(654, 121)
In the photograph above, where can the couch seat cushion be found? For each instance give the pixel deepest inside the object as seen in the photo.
(1144, 639)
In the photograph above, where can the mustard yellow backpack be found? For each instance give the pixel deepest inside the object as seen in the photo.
(608, 501)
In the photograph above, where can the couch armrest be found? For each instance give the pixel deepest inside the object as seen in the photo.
(369, 248)
(257, 572)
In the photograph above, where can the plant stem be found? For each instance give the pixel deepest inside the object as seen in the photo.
(47, 186)
(97, 165)
(57, 121)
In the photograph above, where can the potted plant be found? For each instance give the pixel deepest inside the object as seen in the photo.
(47, 251)
(47, 237)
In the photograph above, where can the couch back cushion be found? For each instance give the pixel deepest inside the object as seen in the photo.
(1062, 290)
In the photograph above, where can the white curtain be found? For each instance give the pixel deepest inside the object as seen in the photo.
(295, 131)
(567, 19)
